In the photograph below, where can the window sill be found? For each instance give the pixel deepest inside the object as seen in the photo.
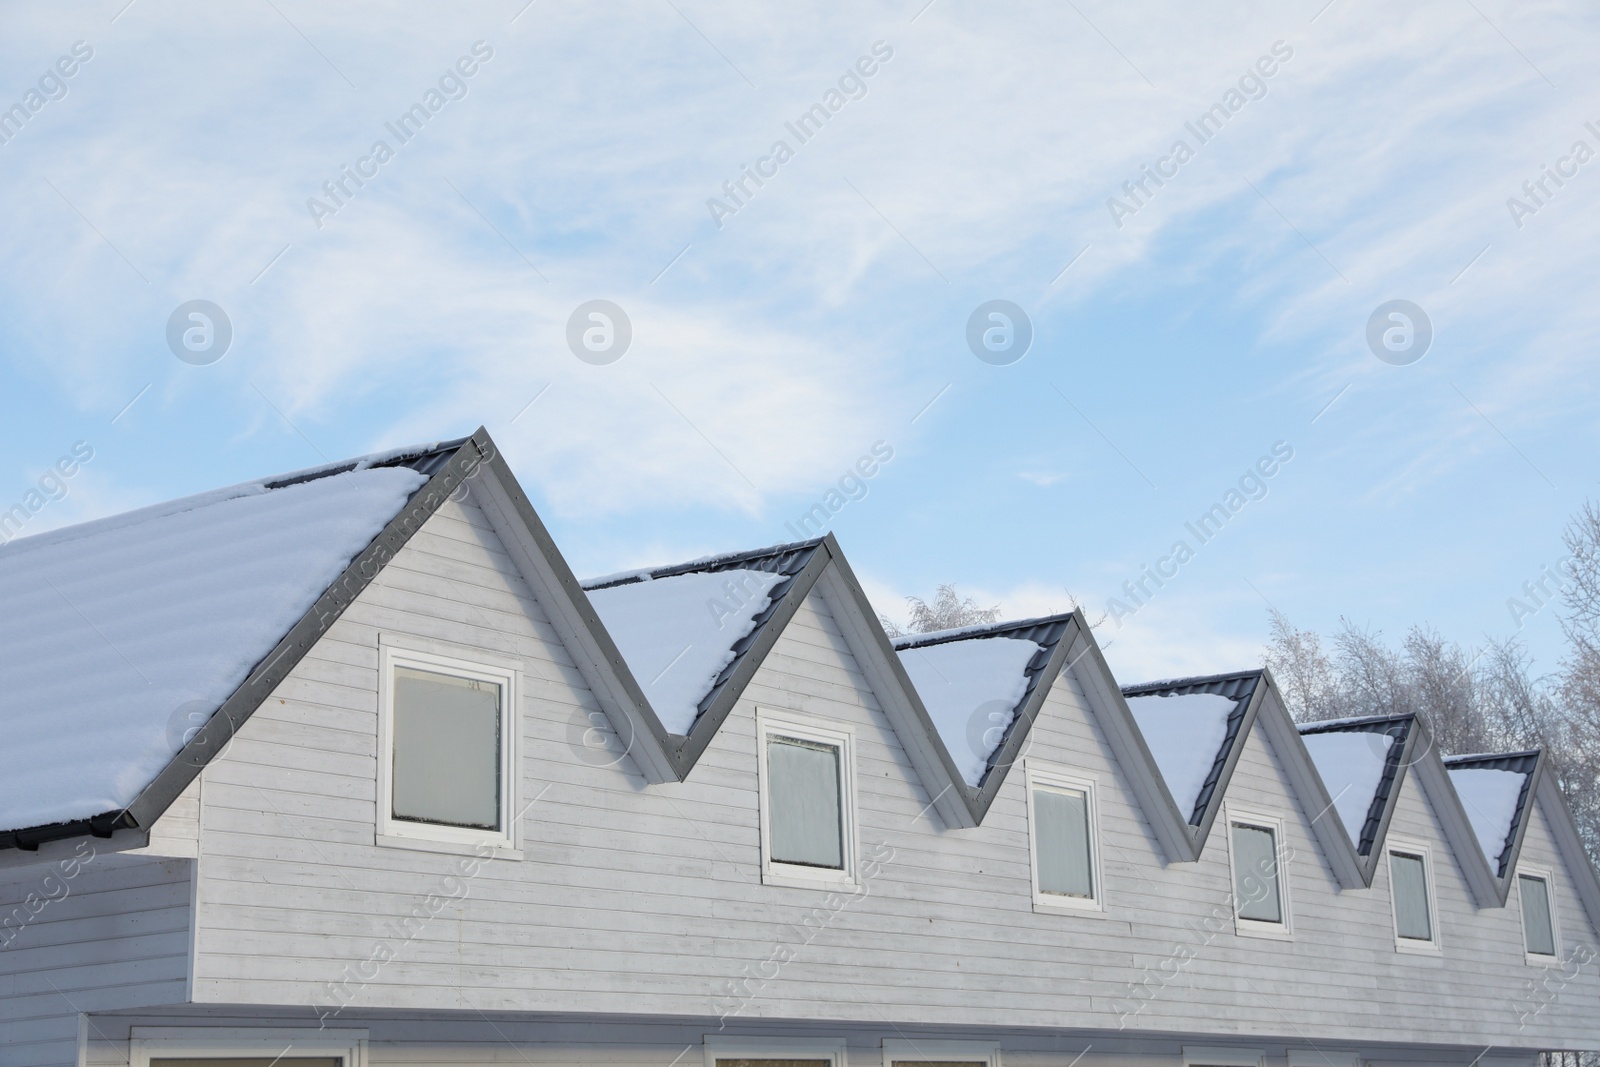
(450, 848)
(1536, 960)
(1067, 906)
(806, 878)
(1269, 931)
(1418, 948)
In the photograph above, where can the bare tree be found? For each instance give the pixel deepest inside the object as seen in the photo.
(948, 611)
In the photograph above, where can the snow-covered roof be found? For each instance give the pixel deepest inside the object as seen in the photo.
(124, 635)
(1493, 791)
(1352, 764)
(972, 687)
(678, 632)
(1187, 734)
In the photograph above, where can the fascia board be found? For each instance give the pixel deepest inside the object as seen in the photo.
(464, 463)
(556, 589)
(898, 698)
(1519, 832)
(1199, 834)
(1441, 794)
(1337, 843)
(686, 754)
(1127, 744)
(1017, 737)
(1570, 845)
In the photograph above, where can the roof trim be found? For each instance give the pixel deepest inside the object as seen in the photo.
(1367, 839)
(447, 466)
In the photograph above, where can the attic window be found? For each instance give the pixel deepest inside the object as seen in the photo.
(446, 763)
(806, 801)
(1260, 890)
(1416, 925)
(1538, 917)
(1061, 828)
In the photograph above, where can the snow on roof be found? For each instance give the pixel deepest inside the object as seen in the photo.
(1351, 764)
(1185, 733)
(677, 633)
(1490, 797)
(971, 689)
(124, 635)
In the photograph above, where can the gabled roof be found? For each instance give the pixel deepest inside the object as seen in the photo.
(1497, 792)
(145, 624)
(982, 688)
(1362, 762)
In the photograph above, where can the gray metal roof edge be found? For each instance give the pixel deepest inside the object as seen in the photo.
(638, 727)
(953, 799)
(1061, 632)
(708, 565)
(1132, 752)
(736, 677)
(1307, 785)
(1386, 798)
(465, 455)
(1506, 863)
(1569, 843)
(1363, 724)
(1447, 808)
(1240, 722)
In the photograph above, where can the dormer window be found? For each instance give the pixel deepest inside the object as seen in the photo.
(807, 801)
(1416, 924)
(446, 761)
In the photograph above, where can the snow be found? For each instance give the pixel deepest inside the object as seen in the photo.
(1184, 733)
(677, 633)
(971, 689)
(702, 563)
(1351, 765)
(1490, 797)
(124, 634)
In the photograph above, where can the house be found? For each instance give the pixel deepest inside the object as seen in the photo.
(346, 768)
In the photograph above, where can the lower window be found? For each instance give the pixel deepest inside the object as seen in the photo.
(226, 1046)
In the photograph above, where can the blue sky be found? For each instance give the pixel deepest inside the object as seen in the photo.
(772, 351)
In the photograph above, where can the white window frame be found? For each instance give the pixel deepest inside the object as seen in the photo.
(1219, 1056)
(1280, 931)
(1038, 773)
(440, 658)
(1434, 945)
(824, 732)
(239, 1042)
(1534, 959)
(941, 1051)
(719, 1047)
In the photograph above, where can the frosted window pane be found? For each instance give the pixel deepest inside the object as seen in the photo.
(1537, 930)
(803, 803)
(1408, 881)
(1255, 873)
(1063, 842)
(446, 749)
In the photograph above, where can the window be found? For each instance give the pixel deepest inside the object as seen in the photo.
(1260, 890)
(1416, 924)
(940, 1054)
(807, 801)
(446, 770)
(1538, 916)
(1209, 1056)
(163, 1046)
(773, 1052)
(1062, 823)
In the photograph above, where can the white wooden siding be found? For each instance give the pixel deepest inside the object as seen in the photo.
(648, 901)
(115, 937)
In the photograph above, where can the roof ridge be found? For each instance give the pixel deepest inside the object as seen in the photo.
(1334, 725)
(254, 487)
(1199, 679)
(693, 566)
(976, 630)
